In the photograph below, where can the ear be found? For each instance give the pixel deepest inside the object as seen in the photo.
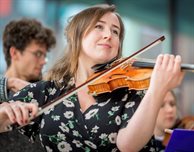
(14, 53)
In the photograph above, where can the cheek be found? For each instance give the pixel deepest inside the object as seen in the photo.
(27, 59)
(160, 117)
(175, 112)
(29, 64)
(91, 37)
(117, 45)
(86, 44)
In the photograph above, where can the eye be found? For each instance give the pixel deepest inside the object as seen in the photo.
(172, 104)
(162, 106)
(98, 26)
(39, 54)
(116, 32)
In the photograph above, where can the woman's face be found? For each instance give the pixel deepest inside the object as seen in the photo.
(168, 112)
(101, 44)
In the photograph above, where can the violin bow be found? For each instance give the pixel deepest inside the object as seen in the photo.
(63, 97)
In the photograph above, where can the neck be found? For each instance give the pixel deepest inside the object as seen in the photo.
(158, 132)
(83, 73)
(13, 72)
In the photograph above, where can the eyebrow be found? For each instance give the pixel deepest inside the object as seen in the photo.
(112, 24)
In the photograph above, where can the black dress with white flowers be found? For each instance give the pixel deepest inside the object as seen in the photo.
(66, 128)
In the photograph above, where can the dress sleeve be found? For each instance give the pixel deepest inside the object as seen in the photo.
(3, 89)
(40, 93)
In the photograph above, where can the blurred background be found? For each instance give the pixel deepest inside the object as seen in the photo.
(145, 21)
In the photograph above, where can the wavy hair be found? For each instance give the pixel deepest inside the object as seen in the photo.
(79, 25)
(20, 33)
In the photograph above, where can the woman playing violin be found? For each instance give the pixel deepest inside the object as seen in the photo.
(122, 120)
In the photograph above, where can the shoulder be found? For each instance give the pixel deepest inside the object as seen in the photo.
(40, 91)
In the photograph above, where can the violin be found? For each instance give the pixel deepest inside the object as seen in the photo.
(185, 123)
(135, 74)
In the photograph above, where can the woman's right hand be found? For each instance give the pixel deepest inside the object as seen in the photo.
(16, 112)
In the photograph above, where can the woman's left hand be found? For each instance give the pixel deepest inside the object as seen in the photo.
(166, 74)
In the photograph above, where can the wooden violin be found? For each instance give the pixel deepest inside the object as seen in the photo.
(135, 74)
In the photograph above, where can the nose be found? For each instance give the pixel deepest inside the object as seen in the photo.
(107, 34)
(43, 61)
(169, 108)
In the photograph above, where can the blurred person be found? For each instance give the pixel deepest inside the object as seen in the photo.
(25, 46)
(122, 120)
(167, 118)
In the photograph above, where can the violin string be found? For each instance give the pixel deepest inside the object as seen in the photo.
(142, 62)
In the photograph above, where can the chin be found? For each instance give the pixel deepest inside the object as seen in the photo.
(169, 125)
(35, 78)
(107, 59)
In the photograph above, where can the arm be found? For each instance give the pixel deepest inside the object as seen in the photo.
(165, 76)
(16, 112)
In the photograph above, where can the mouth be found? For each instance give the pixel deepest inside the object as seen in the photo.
(38, 70)
(105, 45)
(170, 118)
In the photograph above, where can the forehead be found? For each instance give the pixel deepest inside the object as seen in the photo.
(33, 45)
(169, 97)
(110, 18)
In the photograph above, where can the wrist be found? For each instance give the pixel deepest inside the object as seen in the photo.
(157, 96)
(157, 92)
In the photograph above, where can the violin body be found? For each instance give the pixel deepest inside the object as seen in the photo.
(125, 76)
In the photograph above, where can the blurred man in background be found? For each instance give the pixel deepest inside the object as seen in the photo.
(25, 45)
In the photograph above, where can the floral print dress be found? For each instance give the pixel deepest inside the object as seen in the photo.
(66, 128)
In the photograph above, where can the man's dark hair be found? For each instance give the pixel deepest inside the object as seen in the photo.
(20, 33)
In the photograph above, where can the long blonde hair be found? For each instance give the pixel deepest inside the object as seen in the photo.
(81, 24)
